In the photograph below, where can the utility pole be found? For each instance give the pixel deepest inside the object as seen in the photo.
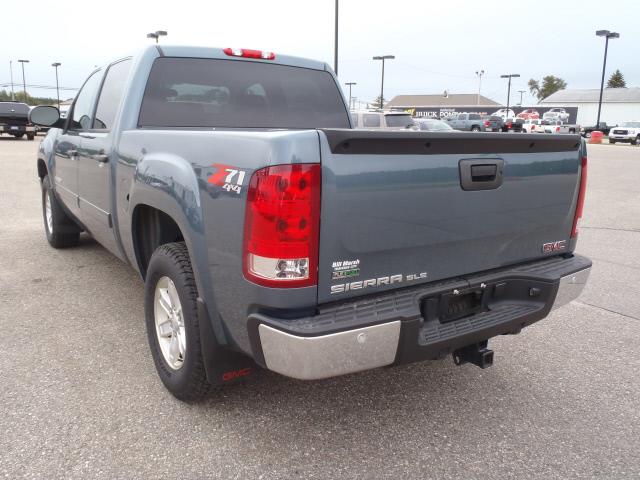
(509, 76)
(479, 74)
(24, 83)
(56, 65)
(521, 92)
(335, 45)
(383, 58)
(350, 85)
(607, 34)
(13, 97)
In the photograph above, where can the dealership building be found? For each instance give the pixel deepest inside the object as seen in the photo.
(439, 106)
(618, 104)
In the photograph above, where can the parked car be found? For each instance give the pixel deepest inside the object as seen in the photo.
(470, 122)
(556, 113)
(383, 120)
(432, 125)
(626, 132)
(288, 239)
(14, 120)
(513, 125)
(602, 127)
(531, 125)
(504, 113)
(493, 123)
(529, 113)
(556, 126)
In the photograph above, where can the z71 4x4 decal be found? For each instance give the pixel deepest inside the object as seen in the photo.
(228, 177)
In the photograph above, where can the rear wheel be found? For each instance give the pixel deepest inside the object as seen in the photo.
(18, 135)
(60, 229)
(31, 136)
(475, 128)
(636, 141)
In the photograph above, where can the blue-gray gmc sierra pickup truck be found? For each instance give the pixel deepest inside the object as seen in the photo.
(268, 231)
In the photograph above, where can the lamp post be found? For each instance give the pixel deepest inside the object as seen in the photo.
(24, 83)
(383, 58)
(509, 76)
(335, 45)
(521, 92)
(350, 85)
(479, 74)
(607, 34)
(157, 34)
(13, 97)
(56, 65)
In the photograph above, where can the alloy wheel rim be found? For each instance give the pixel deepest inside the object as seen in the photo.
(47, 212)
(169, 322)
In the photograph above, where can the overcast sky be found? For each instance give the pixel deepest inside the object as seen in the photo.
(438, 44)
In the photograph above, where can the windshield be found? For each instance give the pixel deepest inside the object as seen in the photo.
(402, 121)
(197, 92)
(630, 124)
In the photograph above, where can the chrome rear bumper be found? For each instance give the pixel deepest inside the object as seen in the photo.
(357, 349)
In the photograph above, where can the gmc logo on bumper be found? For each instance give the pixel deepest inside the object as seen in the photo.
(554, 246)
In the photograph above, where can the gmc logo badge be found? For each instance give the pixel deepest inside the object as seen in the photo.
(554, 246)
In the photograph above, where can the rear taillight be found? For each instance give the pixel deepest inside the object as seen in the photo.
(248, 53)
(557, 129)
(580, 202)
(282, 225)
(486, 123)
(509, 125)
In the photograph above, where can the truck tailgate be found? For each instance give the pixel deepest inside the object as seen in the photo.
(402, 208)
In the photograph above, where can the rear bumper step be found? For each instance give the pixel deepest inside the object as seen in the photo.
(410, 324)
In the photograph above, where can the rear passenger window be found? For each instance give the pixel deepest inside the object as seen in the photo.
(371, 120)
(462, 117)
(111, 94)
(474, 116)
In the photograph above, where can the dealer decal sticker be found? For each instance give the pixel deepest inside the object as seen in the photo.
(228, 177)
(345, 269)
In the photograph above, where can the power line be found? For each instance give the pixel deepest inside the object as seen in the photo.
(45, 87)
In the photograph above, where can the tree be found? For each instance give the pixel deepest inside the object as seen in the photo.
(550, 84)
(19, 97)
(616, 80)
(376, 102)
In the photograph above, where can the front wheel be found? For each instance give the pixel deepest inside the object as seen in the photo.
(31, 136)
(612, 142)
(587, 135)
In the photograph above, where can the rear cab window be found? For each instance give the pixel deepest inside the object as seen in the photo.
(401, 121)
(196, 92)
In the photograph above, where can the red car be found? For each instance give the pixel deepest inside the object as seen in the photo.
(529, 113)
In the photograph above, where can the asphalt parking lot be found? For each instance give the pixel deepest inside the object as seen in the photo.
(80, 397)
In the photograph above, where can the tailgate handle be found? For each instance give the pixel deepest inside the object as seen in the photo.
(481, 174)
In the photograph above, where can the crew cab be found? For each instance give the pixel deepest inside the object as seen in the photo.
(383, 120)
(556, 126)
(556, 113)
(626, 132)
(270, 233)
(601, 127)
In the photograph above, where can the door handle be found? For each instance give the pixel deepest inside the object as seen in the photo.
(101, 157)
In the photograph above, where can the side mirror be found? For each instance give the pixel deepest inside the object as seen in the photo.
(45, 115)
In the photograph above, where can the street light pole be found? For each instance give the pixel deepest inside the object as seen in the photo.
(24, 83)
(607, 34)
(521, 92)
(13, 97)
(383, 58)
(479, 74)
(335, 45)
(509, 76)
(157, 34)
(56, 65)
(350, 85)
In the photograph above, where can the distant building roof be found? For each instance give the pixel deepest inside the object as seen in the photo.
(451, 100)
(591, 95)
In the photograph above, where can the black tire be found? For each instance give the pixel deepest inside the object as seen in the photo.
(587, 135)
(189, 382)
(64, 232)
(636, 141)
(612, 142)
(31, 136)
(18, 135)
(475, 128)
